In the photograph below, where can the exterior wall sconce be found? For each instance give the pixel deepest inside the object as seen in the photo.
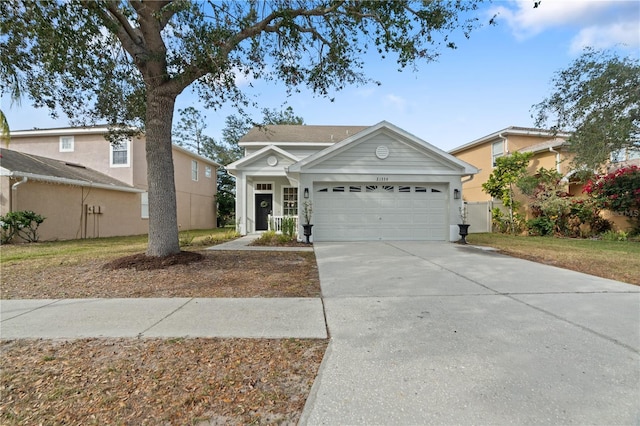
(456, 194)
(306, 193)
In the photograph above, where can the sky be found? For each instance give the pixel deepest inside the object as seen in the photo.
(490, 82)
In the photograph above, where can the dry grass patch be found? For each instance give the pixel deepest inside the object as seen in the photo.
(125, 381)
(215, 274)
(617, 260)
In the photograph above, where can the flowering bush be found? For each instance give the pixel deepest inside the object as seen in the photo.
(618, 191)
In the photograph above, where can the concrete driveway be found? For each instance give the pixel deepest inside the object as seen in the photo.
(438, 333)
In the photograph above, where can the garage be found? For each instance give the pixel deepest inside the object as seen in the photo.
(380, 211)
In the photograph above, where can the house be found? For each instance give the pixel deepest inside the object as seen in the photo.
(87, 187)
(549, 151)
(363, 182)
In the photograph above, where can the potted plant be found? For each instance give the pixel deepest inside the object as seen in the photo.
(463, 227)
(307, 209)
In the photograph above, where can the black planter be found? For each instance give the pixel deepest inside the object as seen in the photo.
(307, 231)
(463, 231)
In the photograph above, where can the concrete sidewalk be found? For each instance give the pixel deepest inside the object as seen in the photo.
(175, 317)
(433, 333)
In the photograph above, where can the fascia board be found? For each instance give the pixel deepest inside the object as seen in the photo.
(296, 144)
(74, 182)
(509, 131)
(194, 155)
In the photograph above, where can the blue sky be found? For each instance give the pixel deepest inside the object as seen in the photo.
(490, 82)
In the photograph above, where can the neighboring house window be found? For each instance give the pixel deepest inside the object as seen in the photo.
(497, 150)
(207, 171)
(289, 201)
(617, 156)
(119, 154)
(66, 143)
(194, 170)
(144, 205)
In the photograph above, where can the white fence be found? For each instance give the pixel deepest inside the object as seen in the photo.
(275, 223)
(479, 215)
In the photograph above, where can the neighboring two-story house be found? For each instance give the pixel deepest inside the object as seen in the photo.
(363, 182)
(549, 151)
(87, 187)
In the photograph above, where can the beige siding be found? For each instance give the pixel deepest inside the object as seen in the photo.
(480, 157)
(66, 213)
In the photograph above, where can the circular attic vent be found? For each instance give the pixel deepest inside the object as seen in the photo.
(272, 161)
(382, 152)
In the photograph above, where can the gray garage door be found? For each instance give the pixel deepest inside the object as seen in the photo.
(364, 212)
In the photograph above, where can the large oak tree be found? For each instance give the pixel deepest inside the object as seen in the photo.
(127, 61)
(597, 98)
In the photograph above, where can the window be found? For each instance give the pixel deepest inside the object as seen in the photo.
(617, 156)
(264, 187)
(144, 205)
(119, 154)
(289, 201)
(207, 171)
(66, 143)
(497, 150)
(194, 170)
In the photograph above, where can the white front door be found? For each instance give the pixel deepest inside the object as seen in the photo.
(374, 211)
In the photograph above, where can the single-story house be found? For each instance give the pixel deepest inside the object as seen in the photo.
(362, 182)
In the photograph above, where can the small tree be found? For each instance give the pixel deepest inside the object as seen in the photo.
(509, 171)
(618, 191)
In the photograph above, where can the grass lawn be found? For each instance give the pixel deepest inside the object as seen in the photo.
(155, 381)
(617, 260)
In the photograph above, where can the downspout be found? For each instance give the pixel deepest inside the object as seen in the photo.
(557, 158)
(14, 193)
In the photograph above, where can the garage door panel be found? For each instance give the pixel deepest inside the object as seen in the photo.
(380, 212)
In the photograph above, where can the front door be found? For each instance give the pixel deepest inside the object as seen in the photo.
(264, 207)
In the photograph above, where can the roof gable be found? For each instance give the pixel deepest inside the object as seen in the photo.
(384, 148)
(270, 158)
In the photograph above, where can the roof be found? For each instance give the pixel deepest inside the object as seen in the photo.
(544, 146)
(19, 164)
(512, 130)
(299, 133)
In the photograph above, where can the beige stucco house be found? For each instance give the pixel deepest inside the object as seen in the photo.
(363, 183)
(87, 187)
(549, 151)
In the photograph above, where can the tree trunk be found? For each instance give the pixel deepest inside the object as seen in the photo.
(163, 220)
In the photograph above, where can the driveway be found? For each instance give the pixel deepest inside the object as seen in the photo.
(438, 333)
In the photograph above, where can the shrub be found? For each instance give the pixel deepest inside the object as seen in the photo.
(615, 236)
(24, 224)
(618, 191)
(270, 238)
(540, 226)
(289, 227)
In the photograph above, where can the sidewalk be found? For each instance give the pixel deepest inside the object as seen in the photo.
(175, 317)
(171, 317)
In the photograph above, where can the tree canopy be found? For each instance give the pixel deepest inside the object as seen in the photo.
(125, 62)
(597, 98)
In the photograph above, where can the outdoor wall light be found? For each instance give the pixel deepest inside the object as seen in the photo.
(306, 193)
(456, 194)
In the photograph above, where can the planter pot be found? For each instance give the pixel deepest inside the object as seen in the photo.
(307, 231)
(463, 231)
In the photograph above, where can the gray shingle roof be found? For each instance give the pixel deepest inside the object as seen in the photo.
(20, 163)
(300, 133)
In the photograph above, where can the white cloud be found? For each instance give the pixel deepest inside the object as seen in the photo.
(597, 23)
(395, 102)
